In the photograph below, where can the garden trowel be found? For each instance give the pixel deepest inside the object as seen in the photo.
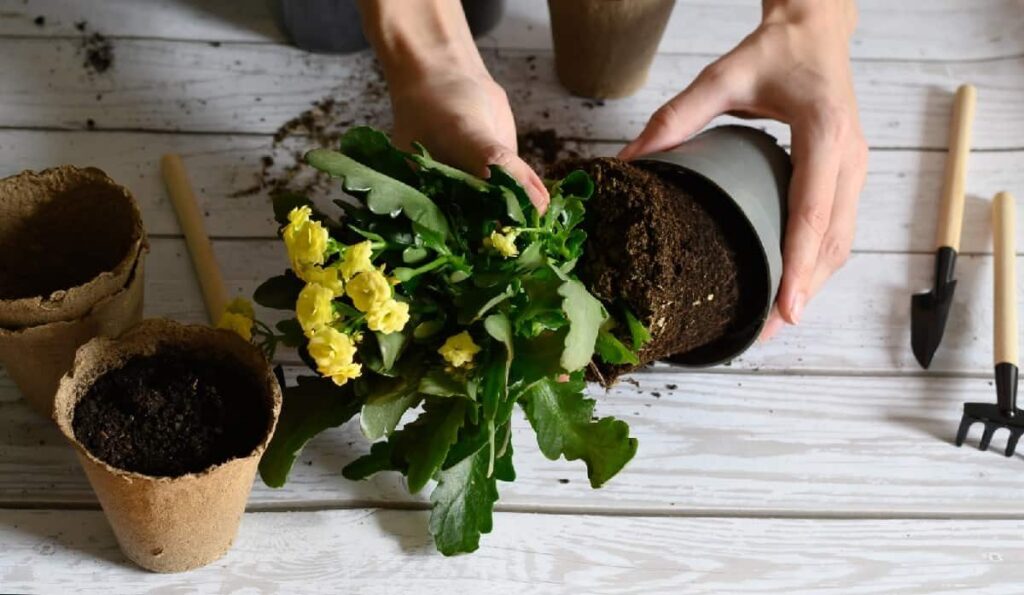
(928, 311)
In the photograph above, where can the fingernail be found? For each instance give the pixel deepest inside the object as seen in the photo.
(796, 309)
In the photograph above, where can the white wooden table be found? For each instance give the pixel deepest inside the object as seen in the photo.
(819, 462)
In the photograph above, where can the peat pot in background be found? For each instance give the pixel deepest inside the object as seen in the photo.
(750, 173)
(171, 524)
(333, 26)
(72, 249)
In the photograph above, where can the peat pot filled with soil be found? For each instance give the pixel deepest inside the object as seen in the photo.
(690, 241)
(169, 422)
(71, 268)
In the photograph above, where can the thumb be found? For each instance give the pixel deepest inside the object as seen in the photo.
(709, 95)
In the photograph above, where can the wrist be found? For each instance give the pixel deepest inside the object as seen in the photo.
(417, 39)
(839, 16)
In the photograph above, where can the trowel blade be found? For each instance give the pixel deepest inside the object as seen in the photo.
(928, 314)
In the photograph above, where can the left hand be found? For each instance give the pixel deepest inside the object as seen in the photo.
(794, 68)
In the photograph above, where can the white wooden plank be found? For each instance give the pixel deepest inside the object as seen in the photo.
(709, 443)
(912, 29)
(170, 86)
(896, 213)
(367, 552)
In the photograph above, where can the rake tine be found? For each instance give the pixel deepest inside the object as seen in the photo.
(965, 425)
(1011, 443)
(986, 438)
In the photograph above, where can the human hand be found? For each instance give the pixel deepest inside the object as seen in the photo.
(441, 93)
(794, 68)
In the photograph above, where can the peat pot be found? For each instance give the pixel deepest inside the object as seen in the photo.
(170, 523)
(72, 248)
(750, 173)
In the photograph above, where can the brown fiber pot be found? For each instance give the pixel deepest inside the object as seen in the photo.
(69, 238)
(72, 252)
(169, 524)
(604, 48)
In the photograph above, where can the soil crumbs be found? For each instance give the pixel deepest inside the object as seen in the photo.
(171, 413)
(97, 49)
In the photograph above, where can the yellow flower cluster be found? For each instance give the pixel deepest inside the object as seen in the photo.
(315, 308)
(357, 259)
(370, 292)
(503, 242)
(238, 317)
(305, 239)
(459, 350)
(334, 353)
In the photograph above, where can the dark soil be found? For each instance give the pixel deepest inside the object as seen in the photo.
(67, 241)
(542, 148)
(172, 413)
(96, 48)
(670, 249)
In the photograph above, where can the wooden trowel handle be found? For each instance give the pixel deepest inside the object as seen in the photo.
(951, 215)
(207, 270)
(1003, 223)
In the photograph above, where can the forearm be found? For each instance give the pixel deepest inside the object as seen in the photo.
(838, 15)
(413, 38)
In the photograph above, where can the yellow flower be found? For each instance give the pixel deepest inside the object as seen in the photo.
(357, 259)
(503, 243)
(326, 276)
(388, 316)
(459, 350)
(367, 289)
(314, 307)
(334, 353)
(305, 239)
(238, 317)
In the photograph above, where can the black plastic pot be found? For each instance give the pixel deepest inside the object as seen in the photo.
(333, 26)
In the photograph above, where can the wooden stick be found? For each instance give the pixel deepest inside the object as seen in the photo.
(951, 215)
(1003, 224)
(211, 281)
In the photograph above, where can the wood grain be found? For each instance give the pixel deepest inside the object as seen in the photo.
(175, 86)
(910, 29)
(709, 443)
(370, 552)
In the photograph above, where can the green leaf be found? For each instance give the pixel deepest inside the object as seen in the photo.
(503, 469)
(428, 164)
(562, 418)
(612, 351)
(539, 356)
(577, 183)
(586, 315)
(463, 505)
(515, 195)
(310, 407)
(391, 347)
(475, 303)
(284, 202)
(377, 460)
(414, 254)
(384, 195)
(438, 383)
(641, 336)
(424, 443)
(280, 292)
(384, 408)
(373, 149)
(291, 332)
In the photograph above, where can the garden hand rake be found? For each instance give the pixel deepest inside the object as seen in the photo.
(1004, 413)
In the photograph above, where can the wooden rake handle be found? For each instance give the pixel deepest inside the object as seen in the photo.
(211, 281)
(951, 216)
(1003, 224)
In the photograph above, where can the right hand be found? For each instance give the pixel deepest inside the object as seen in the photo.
(464, 119)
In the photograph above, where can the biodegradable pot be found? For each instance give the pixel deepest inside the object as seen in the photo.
(604, 48)
(748, 168)
(69, 238)
(334, 26)
(169, 524)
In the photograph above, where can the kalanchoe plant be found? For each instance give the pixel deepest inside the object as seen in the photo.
(449, 298)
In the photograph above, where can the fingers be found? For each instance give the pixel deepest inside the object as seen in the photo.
(816, 156)
(685, 114)
(514, 165)
(772, 325)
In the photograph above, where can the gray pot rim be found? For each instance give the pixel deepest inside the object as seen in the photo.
(758, 223)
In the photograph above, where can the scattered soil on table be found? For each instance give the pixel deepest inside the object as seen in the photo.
(542, 148)
(665, 247)
(97, 49)
(172, 413)
(72, 238)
